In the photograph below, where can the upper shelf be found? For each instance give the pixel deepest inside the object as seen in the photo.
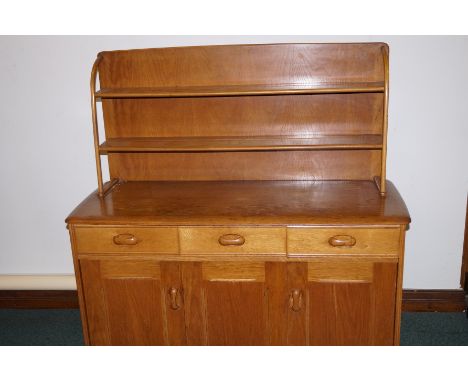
(255, 143)
(242, 90)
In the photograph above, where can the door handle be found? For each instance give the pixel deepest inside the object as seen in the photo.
(174, 298)
(295, 300)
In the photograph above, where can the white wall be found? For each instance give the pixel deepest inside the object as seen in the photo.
(48, 163)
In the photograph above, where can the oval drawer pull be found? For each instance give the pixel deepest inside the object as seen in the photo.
(125, 239)
(231, 239)
(342, 241)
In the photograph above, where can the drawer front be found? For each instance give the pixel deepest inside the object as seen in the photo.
(126, 239)
(232, 240)
(343, 240)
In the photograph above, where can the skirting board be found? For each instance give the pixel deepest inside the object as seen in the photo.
(59, 291)
(38, 291)
(38, 299)
(434, 300)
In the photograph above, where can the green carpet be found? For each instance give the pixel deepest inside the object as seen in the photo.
(434, 329)
(63, 327)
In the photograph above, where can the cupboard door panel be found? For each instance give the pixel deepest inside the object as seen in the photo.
(353, 309)
(322, 314)
(358, 309)
(194, 303)
(135, 314)
(276, 283)
(385, 278)
(235, 313)
(235, 300)
(96, 312)
(127, 302)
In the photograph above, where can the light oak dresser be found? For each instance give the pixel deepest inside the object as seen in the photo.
(247, 203)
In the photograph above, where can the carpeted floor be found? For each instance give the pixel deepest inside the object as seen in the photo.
(63, 327)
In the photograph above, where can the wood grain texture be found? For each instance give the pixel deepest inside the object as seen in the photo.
(175, 314)
(134, 268)
(194, 303)
(222, 160)
(242, 90)
(232, 271)
(434, 300)
(414, 300)
(205, 240)
(383, 304)
(293, 69)
(383, 173)
(353, 304)
(125, 302)
(345, 312)
(97, 319)
(399, 287)
(243, 203)
(195, 89)
(239, 144)
(298, 328)
(337, 270)
(94, 73)
(230, 117)
(277, 289)
(134, 311)
(230, 65)
(80, 288)
(276, 165)
(39, 299)
(236, 313)
(367, 240)
(147, 240)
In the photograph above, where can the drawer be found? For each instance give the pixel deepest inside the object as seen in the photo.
(126, 239)
(343, 240)
(232, 240)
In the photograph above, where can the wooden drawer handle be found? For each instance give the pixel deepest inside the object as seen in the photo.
(231, 239)
(125, 239)
(342, 241)
(295, 300)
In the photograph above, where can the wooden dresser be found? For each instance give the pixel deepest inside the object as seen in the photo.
(247, 201)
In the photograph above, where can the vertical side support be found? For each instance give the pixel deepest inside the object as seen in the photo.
(79, 285)
(95, 126)
(399, 286)
(383, 171)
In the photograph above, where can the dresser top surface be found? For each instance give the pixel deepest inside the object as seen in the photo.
(243, 203)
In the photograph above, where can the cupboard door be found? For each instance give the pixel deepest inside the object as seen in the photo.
(133, 302)
(349, 302)
(232, 300)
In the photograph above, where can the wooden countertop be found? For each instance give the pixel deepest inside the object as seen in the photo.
(243, 203)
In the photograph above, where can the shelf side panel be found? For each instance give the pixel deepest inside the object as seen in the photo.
(275, 165)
